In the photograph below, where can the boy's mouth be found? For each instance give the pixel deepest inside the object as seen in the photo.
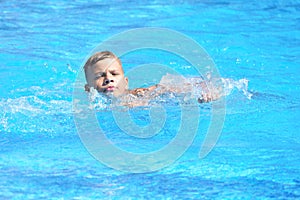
(110, 89)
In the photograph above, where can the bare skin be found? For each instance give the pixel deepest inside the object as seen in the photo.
(107, 77)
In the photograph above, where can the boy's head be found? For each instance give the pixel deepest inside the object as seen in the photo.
(104, 72)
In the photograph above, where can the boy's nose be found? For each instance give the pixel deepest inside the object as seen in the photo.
(107, 81)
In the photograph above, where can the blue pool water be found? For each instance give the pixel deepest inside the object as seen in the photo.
(43, 46)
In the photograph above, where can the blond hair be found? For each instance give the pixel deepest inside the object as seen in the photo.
(96, 57)
(100, 56)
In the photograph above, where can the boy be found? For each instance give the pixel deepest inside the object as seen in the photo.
(104, 72)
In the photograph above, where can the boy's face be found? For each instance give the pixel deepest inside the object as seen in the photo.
(107, 76)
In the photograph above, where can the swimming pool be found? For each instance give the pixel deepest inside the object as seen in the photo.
(43, 46)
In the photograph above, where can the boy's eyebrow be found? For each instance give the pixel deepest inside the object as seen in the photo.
(116, 70)
(100, 73)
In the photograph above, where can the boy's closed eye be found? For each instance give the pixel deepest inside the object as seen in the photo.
(99, 75)
(114, 73)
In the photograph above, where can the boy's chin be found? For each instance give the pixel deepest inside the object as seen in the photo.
(108, 93)
(112, 93)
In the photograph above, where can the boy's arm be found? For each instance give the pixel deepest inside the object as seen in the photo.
(141, 91)
(209, 93)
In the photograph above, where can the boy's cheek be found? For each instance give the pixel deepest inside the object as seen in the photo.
(98, 83)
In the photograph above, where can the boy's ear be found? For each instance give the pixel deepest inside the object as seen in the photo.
(87, 87)
(126, 80)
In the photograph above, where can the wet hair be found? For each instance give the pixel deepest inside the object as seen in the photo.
(100, 56)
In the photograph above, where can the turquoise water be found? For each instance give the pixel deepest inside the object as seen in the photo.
(43, 45)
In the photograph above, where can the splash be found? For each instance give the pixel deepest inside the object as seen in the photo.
(32, 114)
(204, 89)
(174, 90)
(241, 85)
(99, 101)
